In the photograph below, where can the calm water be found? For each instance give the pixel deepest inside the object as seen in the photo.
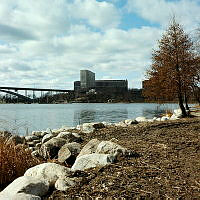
(19, 118)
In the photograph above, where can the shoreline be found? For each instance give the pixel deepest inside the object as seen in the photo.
(158, 147)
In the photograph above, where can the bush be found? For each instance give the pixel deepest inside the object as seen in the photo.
(14, 161)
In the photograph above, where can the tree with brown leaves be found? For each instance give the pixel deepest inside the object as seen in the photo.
(174, 66)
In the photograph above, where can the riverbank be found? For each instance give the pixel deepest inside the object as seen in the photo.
(162, 160)
(166, 163)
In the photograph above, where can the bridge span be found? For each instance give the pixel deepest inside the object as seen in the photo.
(35, 89)
(14, 91)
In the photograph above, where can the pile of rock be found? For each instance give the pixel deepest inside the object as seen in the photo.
(36, 181)
(65, 145)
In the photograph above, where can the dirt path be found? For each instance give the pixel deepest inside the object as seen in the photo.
(166, 164)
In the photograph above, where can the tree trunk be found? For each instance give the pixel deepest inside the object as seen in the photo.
(181, 105)
(186, 102)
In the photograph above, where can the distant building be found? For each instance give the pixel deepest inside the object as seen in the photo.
(87, 82)
(87, 79)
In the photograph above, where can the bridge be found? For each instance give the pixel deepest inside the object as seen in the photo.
(25, 97)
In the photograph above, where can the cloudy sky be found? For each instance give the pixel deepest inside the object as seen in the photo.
(44, 43)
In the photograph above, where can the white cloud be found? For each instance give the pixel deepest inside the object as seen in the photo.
(98, 14)
(161, 11)
(48, 42)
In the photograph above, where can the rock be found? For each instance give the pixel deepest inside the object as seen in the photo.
(43, 133)
(108, 147)
(90, 147)
(90, 127)
(38, 145)
(23, 196)
(48, 171)
(158, 119)
(92, 160)
(106, 123)
(25, 184)
(16, 139)
(164, 118)
(5, 134)
(47, 137)
(37, 133)
(50, 148)
(69, 152)
(70, 137)
(178, 113)
(35, 154)
(141, 119)
(31, 144)
(63, 184)
(63, 154)
(174, 117)
(30, 138)
(122, 124)
(130, 121)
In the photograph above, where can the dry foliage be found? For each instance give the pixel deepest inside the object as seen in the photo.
(14, 161)
(174, 67)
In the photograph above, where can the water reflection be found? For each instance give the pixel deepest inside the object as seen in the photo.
(99, 115)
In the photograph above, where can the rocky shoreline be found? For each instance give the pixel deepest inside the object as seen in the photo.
(81, 155)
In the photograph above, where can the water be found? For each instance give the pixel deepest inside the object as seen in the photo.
(23, 118)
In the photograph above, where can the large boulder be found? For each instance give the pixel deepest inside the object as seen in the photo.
(25, 184)
(69, 152)
(108, 147)
(47, 137)
(23, 196)
(92, 160)
(50, 148)
(48, 171)
(30, 138)
(90, 147)
(70, 137)
(90, 127)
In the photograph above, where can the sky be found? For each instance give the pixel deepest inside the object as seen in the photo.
(45, 43)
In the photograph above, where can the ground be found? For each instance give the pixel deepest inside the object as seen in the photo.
(165, 164)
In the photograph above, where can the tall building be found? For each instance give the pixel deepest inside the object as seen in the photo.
(87, 82)
(87, 79)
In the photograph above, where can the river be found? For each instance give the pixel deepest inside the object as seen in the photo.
(24, 118)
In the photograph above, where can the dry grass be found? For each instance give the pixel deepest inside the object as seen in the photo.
(14, 161)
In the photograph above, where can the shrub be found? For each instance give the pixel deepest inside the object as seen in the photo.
(14, 161)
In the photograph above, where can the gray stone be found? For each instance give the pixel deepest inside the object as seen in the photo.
(90, 147)
(50, 148)
(30, 138)
(37, 133)
(48, 171)
(108, 147)
(63, 184)
(90, 127)
(69, 152)
(141, 119)
(16, 139)
(63, 154)
(27, 185)
(47, 137)
(23, 196)
(92, 160)
(70, 137)
(130, 121)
